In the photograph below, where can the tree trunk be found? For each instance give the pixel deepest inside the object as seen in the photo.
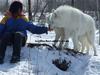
(42, 11)
(72, 3)
(98, 16)
(29, 10)
(99, 24)
(36, 9)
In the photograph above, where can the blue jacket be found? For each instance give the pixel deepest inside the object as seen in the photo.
(12, 25)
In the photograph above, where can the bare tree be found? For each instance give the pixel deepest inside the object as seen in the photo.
(72, 2)
(36, 8)
(29, 10)
(43, 11)
(50, 5)
(98, 15)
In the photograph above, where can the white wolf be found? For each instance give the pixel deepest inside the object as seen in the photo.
(69, 22)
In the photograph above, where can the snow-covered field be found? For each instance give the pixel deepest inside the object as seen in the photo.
(38, 60)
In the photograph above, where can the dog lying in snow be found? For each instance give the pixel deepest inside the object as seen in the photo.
(69, 22)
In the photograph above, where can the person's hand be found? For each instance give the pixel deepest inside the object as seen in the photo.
(49, 29)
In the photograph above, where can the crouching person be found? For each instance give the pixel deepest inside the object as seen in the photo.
(13, 28)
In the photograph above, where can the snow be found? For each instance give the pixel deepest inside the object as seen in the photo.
(38, 60)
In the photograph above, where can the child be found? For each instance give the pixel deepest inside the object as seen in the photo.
(13, 31)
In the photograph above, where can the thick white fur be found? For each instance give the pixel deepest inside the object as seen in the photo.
(69, 22)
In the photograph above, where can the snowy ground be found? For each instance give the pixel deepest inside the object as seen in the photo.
(38, 60)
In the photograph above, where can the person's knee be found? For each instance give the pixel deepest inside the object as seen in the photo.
(6, 35)
(18, 34)
(23, 38)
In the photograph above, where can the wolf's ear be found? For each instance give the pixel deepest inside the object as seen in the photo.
(55, 15)
(52, 11)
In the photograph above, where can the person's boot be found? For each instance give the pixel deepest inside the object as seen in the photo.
(1, 60)
(15, 59)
